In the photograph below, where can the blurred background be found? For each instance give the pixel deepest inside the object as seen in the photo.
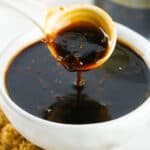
(133, 13)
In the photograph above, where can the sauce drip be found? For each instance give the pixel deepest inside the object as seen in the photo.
(78, 47)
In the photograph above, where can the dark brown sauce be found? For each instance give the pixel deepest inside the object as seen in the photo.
(78, 47)
(42, 87)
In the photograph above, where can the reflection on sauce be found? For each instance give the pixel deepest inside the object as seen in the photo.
(76, 109)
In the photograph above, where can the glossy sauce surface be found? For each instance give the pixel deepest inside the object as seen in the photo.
(42, 87)
(78, 47)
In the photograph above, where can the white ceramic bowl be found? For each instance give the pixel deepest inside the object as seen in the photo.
(54, 136)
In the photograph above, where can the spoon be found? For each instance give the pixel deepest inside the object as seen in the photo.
(57, 18)
(62, 17)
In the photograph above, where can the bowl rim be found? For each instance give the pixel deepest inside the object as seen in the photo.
(22, 113)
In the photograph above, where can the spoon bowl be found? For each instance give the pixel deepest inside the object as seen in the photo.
(84, 14)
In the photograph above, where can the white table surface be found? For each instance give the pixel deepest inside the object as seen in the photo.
(12, 24)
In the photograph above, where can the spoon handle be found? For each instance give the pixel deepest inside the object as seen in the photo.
(35, 11)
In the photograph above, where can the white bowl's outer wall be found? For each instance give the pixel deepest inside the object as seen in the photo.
(54, 136)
